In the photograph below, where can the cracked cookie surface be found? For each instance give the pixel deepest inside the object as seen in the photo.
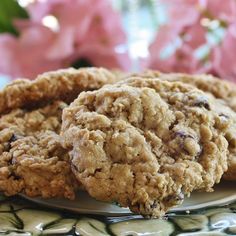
(220, 89)
(145, 143)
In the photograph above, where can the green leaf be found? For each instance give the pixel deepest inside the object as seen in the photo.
(10, 10)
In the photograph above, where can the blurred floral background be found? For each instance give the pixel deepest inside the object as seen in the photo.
(193, 36)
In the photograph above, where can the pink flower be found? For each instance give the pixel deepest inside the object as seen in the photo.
(101, 55)
(182, 60)
(195, 35)
(222, 10)
(184, 19)
(91, 33)
(86, 30)
(25, 56)
(175, 45)
(182, 13)
(8, 46)
(223, 56)
(187, 31)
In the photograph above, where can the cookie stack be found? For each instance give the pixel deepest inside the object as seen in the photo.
(32, 159)
(144, 140)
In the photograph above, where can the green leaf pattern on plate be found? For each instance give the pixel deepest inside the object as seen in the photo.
(21, 217)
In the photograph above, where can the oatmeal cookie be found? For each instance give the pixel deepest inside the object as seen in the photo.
(220, 89)
(32, 159)
(145, 143)
(62, 85)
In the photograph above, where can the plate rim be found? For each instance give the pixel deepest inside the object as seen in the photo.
(125, 211)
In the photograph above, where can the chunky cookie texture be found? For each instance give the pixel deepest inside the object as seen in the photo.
(32, 159)
(220, 89)
(145, 143)
(63, 85)
(230, 135)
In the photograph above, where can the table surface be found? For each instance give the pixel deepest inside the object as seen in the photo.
(22, 217)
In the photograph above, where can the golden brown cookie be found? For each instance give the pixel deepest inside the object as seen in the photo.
(220, 89)
(64, 85)
(32, 159)
(145, 143)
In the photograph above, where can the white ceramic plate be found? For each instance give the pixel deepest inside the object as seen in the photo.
(224, 193)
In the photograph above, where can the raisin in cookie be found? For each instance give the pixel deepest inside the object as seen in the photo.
(32, 159)
(145, 143)
(62, 85)
(220, 89)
